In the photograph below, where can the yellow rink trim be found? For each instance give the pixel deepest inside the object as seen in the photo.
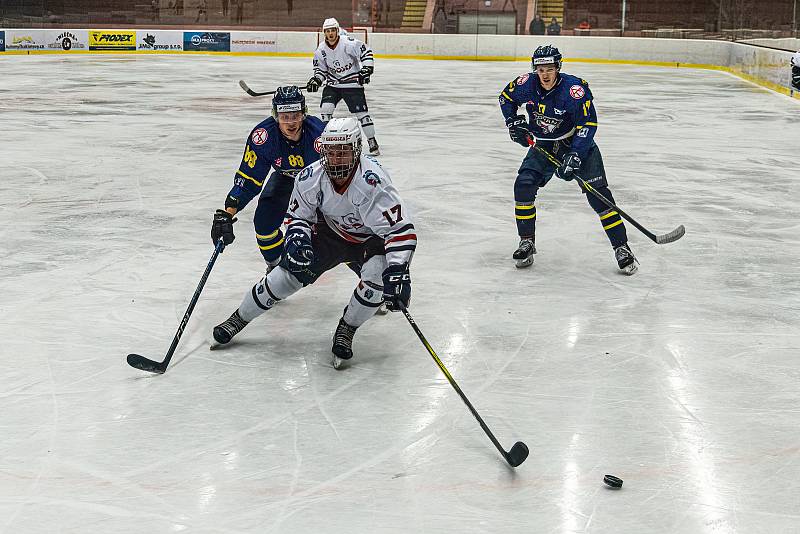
(704, 66)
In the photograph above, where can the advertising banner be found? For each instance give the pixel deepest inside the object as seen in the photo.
(207, 41)
(254, 42)
(112, 40)
(159, 40)
(2, 41)
(25, 40)
(67, 40)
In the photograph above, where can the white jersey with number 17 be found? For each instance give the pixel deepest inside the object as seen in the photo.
(370, 206)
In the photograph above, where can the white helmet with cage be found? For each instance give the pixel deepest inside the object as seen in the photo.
(340, 144)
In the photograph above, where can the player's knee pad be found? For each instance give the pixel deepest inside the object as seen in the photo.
(364, 118)
(525, 187)
(276, 286)
(326, 110)
(368, 294)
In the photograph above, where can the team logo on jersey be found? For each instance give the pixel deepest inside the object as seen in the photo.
(576, 92)
(522, 79)
(278, 162)
(318, 145)
(583, 132)
(371, 178)
(351, 222)
(305, 174)
(259, 136)
(547, 124)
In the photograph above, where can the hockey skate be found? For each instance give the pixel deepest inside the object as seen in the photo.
(224, 332)
(524, 253)
(374, 150)
(626, 260)
(342, 343)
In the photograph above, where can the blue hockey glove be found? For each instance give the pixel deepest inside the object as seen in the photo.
(396, 286)
(364, 74)
(299, 255)
(568, 167)
(518, 130)
(313, 85)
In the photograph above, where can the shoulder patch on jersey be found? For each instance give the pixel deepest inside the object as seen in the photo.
(259, 136)
(371, 178)
(576, 92)
(318, 145)
(522, 79)
(305, 174)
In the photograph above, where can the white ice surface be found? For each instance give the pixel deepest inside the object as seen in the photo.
(682, 380)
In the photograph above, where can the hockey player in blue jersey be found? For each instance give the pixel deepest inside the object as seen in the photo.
(287, 142)
(562, 122)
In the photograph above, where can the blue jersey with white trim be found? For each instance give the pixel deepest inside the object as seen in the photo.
(266, 149)
(565, 112)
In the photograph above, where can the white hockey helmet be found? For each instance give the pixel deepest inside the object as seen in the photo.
(340, 144)
(330, 23)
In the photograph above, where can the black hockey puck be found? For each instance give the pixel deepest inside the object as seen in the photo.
(612, 481)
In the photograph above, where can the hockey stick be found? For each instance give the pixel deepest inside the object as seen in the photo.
(253, 93)
(140, 362)
(660, 239)
(519, 452)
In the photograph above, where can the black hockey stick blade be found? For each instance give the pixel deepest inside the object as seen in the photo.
(140, 362)
(669, 237)
(251, 92)
(517, 454)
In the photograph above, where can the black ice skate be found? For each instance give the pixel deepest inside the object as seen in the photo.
(374, 150)
(626, 260)
(524, 253)
(224, 332)
(342, 343)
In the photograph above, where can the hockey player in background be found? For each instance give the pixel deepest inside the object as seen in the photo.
(286, 142)
(562, 121)
(345, 65)
(344, 209)
(796, 70)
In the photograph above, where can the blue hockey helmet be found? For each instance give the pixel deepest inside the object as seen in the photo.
(288, 98)
(546, 55)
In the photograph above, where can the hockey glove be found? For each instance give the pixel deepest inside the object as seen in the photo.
(313, 85)
(518, 130)
(568, 167)
(364, 74)
(396, 286)
(796, 77)
(223, 227)
(299, 255)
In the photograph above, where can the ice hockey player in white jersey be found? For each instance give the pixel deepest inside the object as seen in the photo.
(796, 70)
(344, 64)
(344, 209)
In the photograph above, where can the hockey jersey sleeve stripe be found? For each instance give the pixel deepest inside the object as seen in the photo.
(243, 175)
(402, 238)
(506, 96)
(395, 248)
(401, 230)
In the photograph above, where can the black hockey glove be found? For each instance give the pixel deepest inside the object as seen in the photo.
(518, 130)
(313, 85)
(364, 74)
(396, 286)
(299, 255)
(796, 77)
(568, 167)
(223, 227)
